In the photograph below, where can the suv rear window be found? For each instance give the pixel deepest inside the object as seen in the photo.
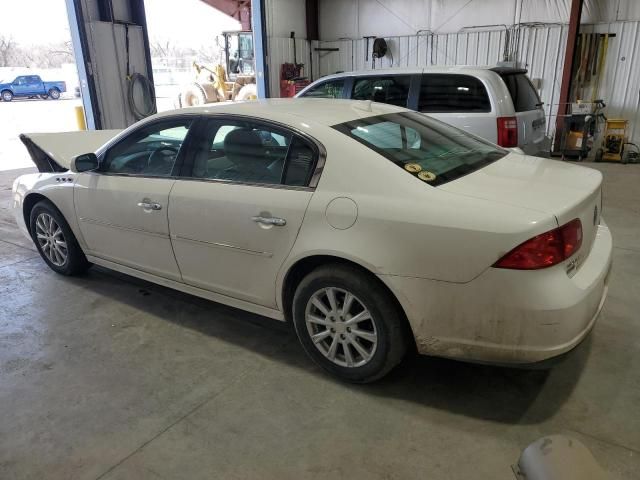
(329, 89)
(523, 94)
(432, 151)
(386, 89)
(444, 92)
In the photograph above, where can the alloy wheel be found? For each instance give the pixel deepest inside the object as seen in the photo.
(341, 327)
(51, 239)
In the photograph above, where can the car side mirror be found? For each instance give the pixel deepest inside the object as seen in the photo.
(84, 163)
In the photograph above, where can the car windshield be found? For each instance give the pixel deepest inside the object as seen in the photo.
(432, 151)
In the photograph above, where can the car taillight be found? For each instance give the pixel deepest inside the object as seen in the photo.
(507, 132)
(546, 249)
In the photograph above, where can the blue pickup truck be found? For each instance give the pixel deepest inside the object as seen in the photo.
(31, 86)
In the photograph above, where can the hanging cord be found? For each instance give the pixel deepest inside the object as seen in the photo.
(146, 88)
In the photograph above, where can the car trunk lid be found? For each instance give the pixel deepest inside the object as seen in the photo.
(52, 152)
(560, 189)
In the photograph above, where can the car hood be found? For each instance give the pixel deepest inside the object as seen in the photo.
(52, 152)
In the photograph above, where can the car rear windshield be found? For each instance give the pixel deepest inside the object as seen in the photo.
(432, 151)
(524, 96)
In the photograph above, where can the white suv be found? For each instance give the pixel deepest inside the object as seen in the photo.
(498, 104)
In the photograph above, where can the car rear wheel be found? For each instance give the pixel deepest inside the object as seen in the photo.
(54, 93)
(7, 96)
(55, 241)
(348, 323)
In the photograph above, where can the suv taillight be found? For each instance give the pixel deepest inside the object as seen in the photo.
(507, 132)
(546, 249)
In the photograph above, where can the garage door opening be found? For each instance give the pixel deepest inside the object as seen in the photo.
(202, 52)
(39, 89)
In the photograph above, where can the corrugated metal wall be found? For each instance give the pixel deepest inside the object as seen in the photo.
(540, 48)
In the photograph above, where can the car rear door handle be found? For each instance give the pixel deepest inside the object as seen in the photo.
(149, 205)
(278, 222)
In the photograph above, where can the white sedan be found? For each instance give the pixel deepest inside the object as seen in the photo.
(372, 228)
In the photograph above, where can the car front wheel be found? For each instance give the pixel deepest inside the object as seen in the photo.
(348, 323)
(55, 241)
(7, 96)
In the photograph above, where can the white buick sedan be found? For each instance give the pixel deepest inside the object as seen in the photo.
(372, 228)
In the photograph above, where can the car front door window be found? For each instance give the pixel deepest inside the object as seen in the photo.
(152, 151)
(329, 89)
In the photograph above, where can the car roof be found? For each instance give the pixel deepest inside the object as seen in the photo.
(462, 69)
(293, 111)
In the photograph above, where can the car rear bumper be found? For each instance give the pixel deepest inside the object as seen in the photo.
(508, 316)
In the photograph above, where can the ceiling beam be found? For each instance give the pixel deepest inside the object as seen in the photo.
(237, 9)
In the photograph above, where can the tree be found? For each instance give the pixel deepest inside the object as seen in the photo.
(7, 51)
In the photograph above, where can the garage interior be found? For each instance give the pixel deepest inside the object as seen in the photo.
(110, 377)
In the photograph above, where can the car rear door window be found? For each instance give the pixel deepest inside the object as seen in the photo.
(328, 89)
(441, 93)
(523, 94)
(389, 89)
(246, 151)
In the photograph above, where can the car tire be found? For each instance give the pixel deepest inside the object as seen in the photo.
(55, 241)
(7, 95)
(381, 335)
(54, 93)
(44, 96)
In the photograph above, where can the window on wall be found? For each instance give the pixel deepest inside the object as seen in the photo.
(385, 89)
(441, 93)
(330, 89)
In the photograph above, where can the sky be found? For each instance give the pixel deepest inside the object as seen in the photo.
(187, 22)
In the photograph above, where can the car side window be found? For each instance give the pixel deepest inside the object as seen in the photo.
(150, 151)
(329, 89)
(301, 160)
(252, 152)
(384, 89)
(441, 93)
(240, 151)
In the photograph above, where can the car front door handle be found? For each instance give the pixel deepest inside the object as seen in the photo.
(149, 205)
(275, 221)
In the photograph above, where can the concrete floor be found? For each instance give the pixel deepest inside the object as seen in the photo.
(110, 377)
